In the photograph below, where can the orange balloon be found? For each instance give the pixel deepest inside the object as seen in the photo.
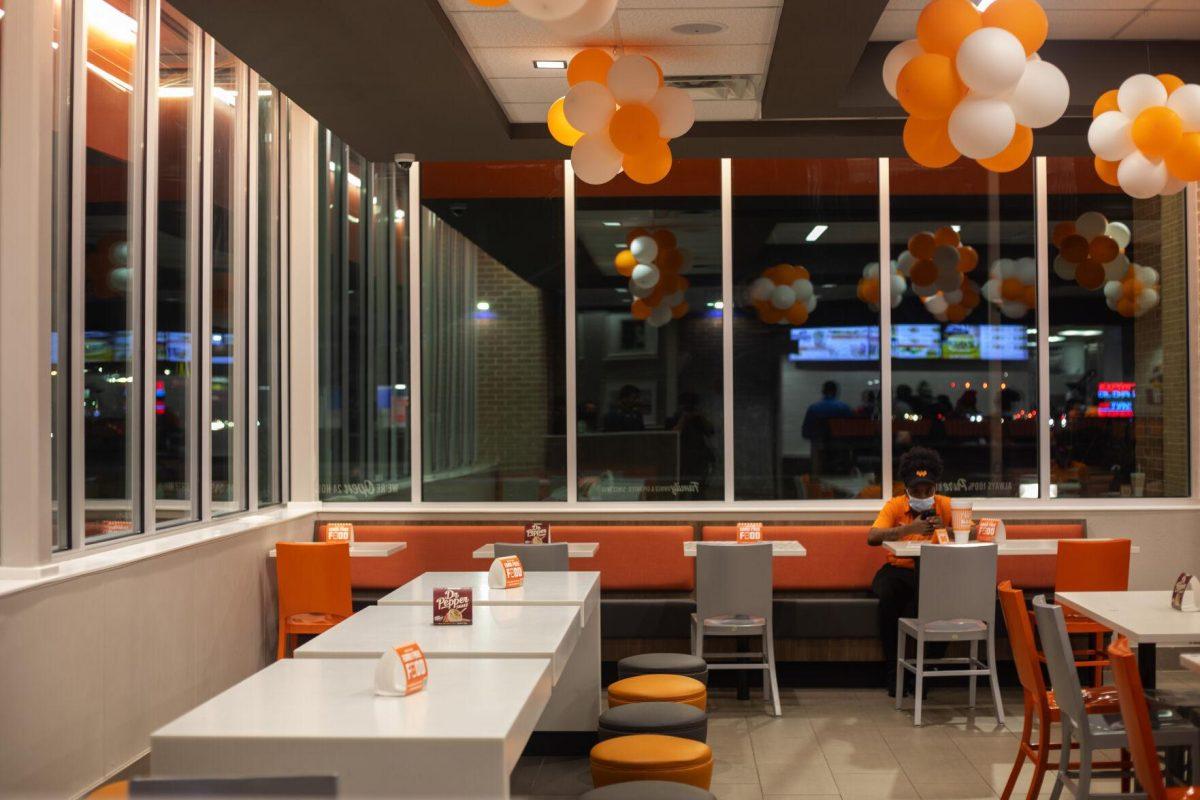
(968, 258)
(868, 290)
(1107, 170)
(781, 274)
(625, 262)
(1029, 296)
(923, 273)
(1157, 131)
(1106, 102)
(1013, 155)
(1131, 288)
(560, 129)
(591, 64)
(946, 235)
(634, 129)
(797, 313)
(1074, 248)
(1170, 82)
(650, 166)
(1103, 249)
(922, 245)
(1184, 161)
(769, 313)
(680, 311)
(1061, 231)
(669, 259)
(488, 3)
(801, 273)
(1126, 307)
(956, 313)
(1024, 19)
(634, 234)
(641, 309)
(1012, 289)
(943, 25)
(927, 142)
(970, 296)
(665, 239)
(1090, 274)
(929, 87)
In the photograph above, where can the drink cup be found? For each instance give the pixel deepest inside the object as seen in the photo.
(960, 516)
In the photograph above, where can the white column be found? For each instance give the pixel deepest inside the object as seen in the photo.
(302, 316)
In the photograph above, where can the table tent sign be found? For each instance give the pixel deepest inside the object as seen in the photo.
(506, 572)
(991, 529)
(1184, 596)
(537, 533)
(749, 532)
(452, 606)
(401, 671)
(339, 532)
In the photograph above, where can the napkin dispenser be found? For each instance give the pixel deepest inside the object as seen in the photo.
(401, 671)
(1184, 596)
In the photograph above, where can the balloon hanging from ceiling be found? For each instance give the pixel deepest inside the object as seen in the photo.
(1135, 293)
(1146, 135)
(1091, 250)
(937, 264)
(868, 285)
(618, 116)
(973, 83)
(783, 295)
(655, 265)
(1012, 286)
(565, 17)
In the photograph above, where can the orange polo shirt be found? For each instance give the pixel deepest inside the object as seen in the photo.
(895, 512)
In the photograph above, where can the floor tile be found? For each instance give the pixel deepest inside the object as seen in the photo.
(865, 786)
(791, 779)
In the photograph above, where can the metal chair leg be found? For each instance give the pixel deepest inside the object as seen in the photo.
(973, 652)
(920, 679)
(994, 677)
(901, 647)
(770, 636)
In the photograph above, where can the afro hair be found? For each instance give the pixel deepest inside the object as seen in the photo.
(920, 464)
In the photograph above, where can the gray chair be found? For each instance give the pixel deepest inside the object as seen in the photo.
(734, 597)
(957, 603)
(648, 790)
(1092, 732)
(293, 786)
(536, 557)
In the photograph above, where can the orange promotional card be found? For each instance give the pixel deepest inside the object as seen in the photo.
(941, 537)
(412, 660)
(987, 529)
(514, 573)
(749, 532)
(339, 532)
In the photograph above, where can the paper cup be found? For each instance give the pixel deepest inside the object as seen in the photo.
(962, 537)
(960, 516)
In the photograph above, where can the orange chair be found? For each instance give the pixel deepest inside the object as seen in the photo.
(1091, 565)
(1040, 705)
(117, 790)
(314, 588)
(1136, 716)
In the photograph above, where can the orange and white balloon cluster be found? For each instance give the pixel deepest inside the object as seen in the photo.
(1146, 135)
(1012, 286)
(619, 116)
(937, 264)
(654, 265)
(973, 84)
(1135, 293)
(564, 17)
(783, 295)
(1091, 250)
(868, 285)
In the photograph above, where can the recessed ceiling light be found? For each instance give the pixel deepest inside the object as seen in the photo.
(549, 63)
(620, 245)
(483, 305)
(956, 228)
(698, 28)
(609, 224)
(816, 232)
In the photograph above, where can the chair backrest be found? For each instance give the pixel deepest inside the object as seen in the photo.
(1136, 717)
(733, 579)
(323, 786)
(958, 582)
(1020, 639)
(537, 557)
(1060, 662)
(1092, 565)
(314, 577)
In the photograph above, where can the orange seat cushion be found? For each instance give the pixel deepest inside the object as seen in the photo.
(312, 623)
(839, 558)
(652, 757)
(658, 688)
(1034, 572)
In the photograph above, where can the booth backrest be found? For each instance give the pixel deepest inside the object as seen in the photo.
(635, 557)
(1035, 572)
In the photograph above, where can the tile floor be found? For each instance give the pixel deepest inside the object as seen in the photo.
(843, 744)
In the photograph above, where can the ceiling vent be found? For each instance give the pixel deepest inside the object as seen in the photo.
(715, 87)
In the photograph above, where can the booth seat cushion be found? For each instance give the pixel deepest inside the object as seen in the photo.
(634, 557)
(1035, 572)
(838, 559)
(826, 615)
(665, 616)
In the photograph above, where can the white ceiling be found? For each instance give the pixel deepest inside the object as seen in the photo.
(504, 44)
(1076, 19)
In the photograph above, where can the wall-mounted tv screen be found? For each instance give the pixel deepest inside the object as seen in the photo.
(928, 341)
(835, 344)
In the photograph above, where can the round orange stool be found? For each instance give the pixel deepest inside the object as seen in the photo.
(658, 688)
(652, 757)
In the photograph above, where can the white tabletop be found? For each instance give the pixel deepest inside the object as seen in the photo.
(779, 547)
(368, 549)
(497, 632)
(574, 550)
(1141, 616)
(580, 589)
(317, 716)
(1010, 547)
(1190, 661)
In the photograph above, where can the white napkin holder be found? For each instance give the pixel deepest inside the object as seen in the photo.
(1186, 595)
(506, 572)
(401, 671)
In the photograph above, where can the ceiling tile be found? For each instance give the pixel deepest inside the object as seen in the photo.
(529, 90)
(895, 25)
(738, 59)
(725, 110)
(1095, 24)
(517, 30)
(1155, 24)
(516, 62)
(526, 112)
(653, 26)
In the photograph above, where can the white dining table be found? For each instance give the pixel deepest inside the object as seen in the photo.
(459, 737)
(780, 548)
(1009, 547)
(368, 549)
(574, 550)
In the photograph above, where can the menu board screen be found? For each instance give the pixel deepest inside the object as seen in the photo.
(835, 344)
(916, 341)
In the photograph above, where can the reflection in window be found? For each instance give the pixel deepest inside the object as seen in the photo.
(109, 370)
(964, 357)
(363, 317)
(267, 277)
(1118, 339)
(806, 362)
(175, 249)
(492, 323)
(648, 368)
(60, 276)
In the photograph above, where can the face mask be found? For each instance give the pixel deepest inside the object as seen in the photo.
(920, 504)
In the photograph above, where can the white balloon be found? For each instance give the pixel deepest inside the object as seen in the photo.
(1147, 300)
(1026, 270)
(594, 15)
(1013, 309)
(1139, 92)
(595, 159)
(1119, 232)
(761, 289)
(633, 79)
(899, 55)
(991, 290)
(673, 299)
(1111, 302)
(945, 258)
(811, 304)
(948, 281)
(898, 286)
(1064, 269)
(1140, 177)
(990, 61)
(980, 127)
(118, 279)
(644, 249)
(589, 106)
(1110, 136)
(675, 111)
(904, 262)
(548, 10)
(803, 289)
(639, 291)
(645, 276)
(1004, 268)
(953, 298)
(1091, 224)
(783, 297)
(925, 290)
(937, 304)
(660, 316)
(1112, 290)
(1115, 270)
(871, 270)
(1147, 275)
(1185, 101)
(1041, 96)
(1174, 186)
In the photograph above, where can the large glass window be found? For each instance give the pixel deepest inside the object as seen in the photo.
(60, 278)
(964, 354)
(111, 382)
(806, 337)
(1118, 338)
(363, 359)
(267, 287)
(176, 251)
(648, 345)
(492, 304)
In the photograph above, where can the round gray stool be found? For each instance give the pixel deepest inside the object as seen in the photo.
(648, 790)
(664, 664)
(668, 719)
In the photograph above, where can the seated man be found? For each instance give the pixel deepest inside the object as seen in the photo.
(912, 516)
